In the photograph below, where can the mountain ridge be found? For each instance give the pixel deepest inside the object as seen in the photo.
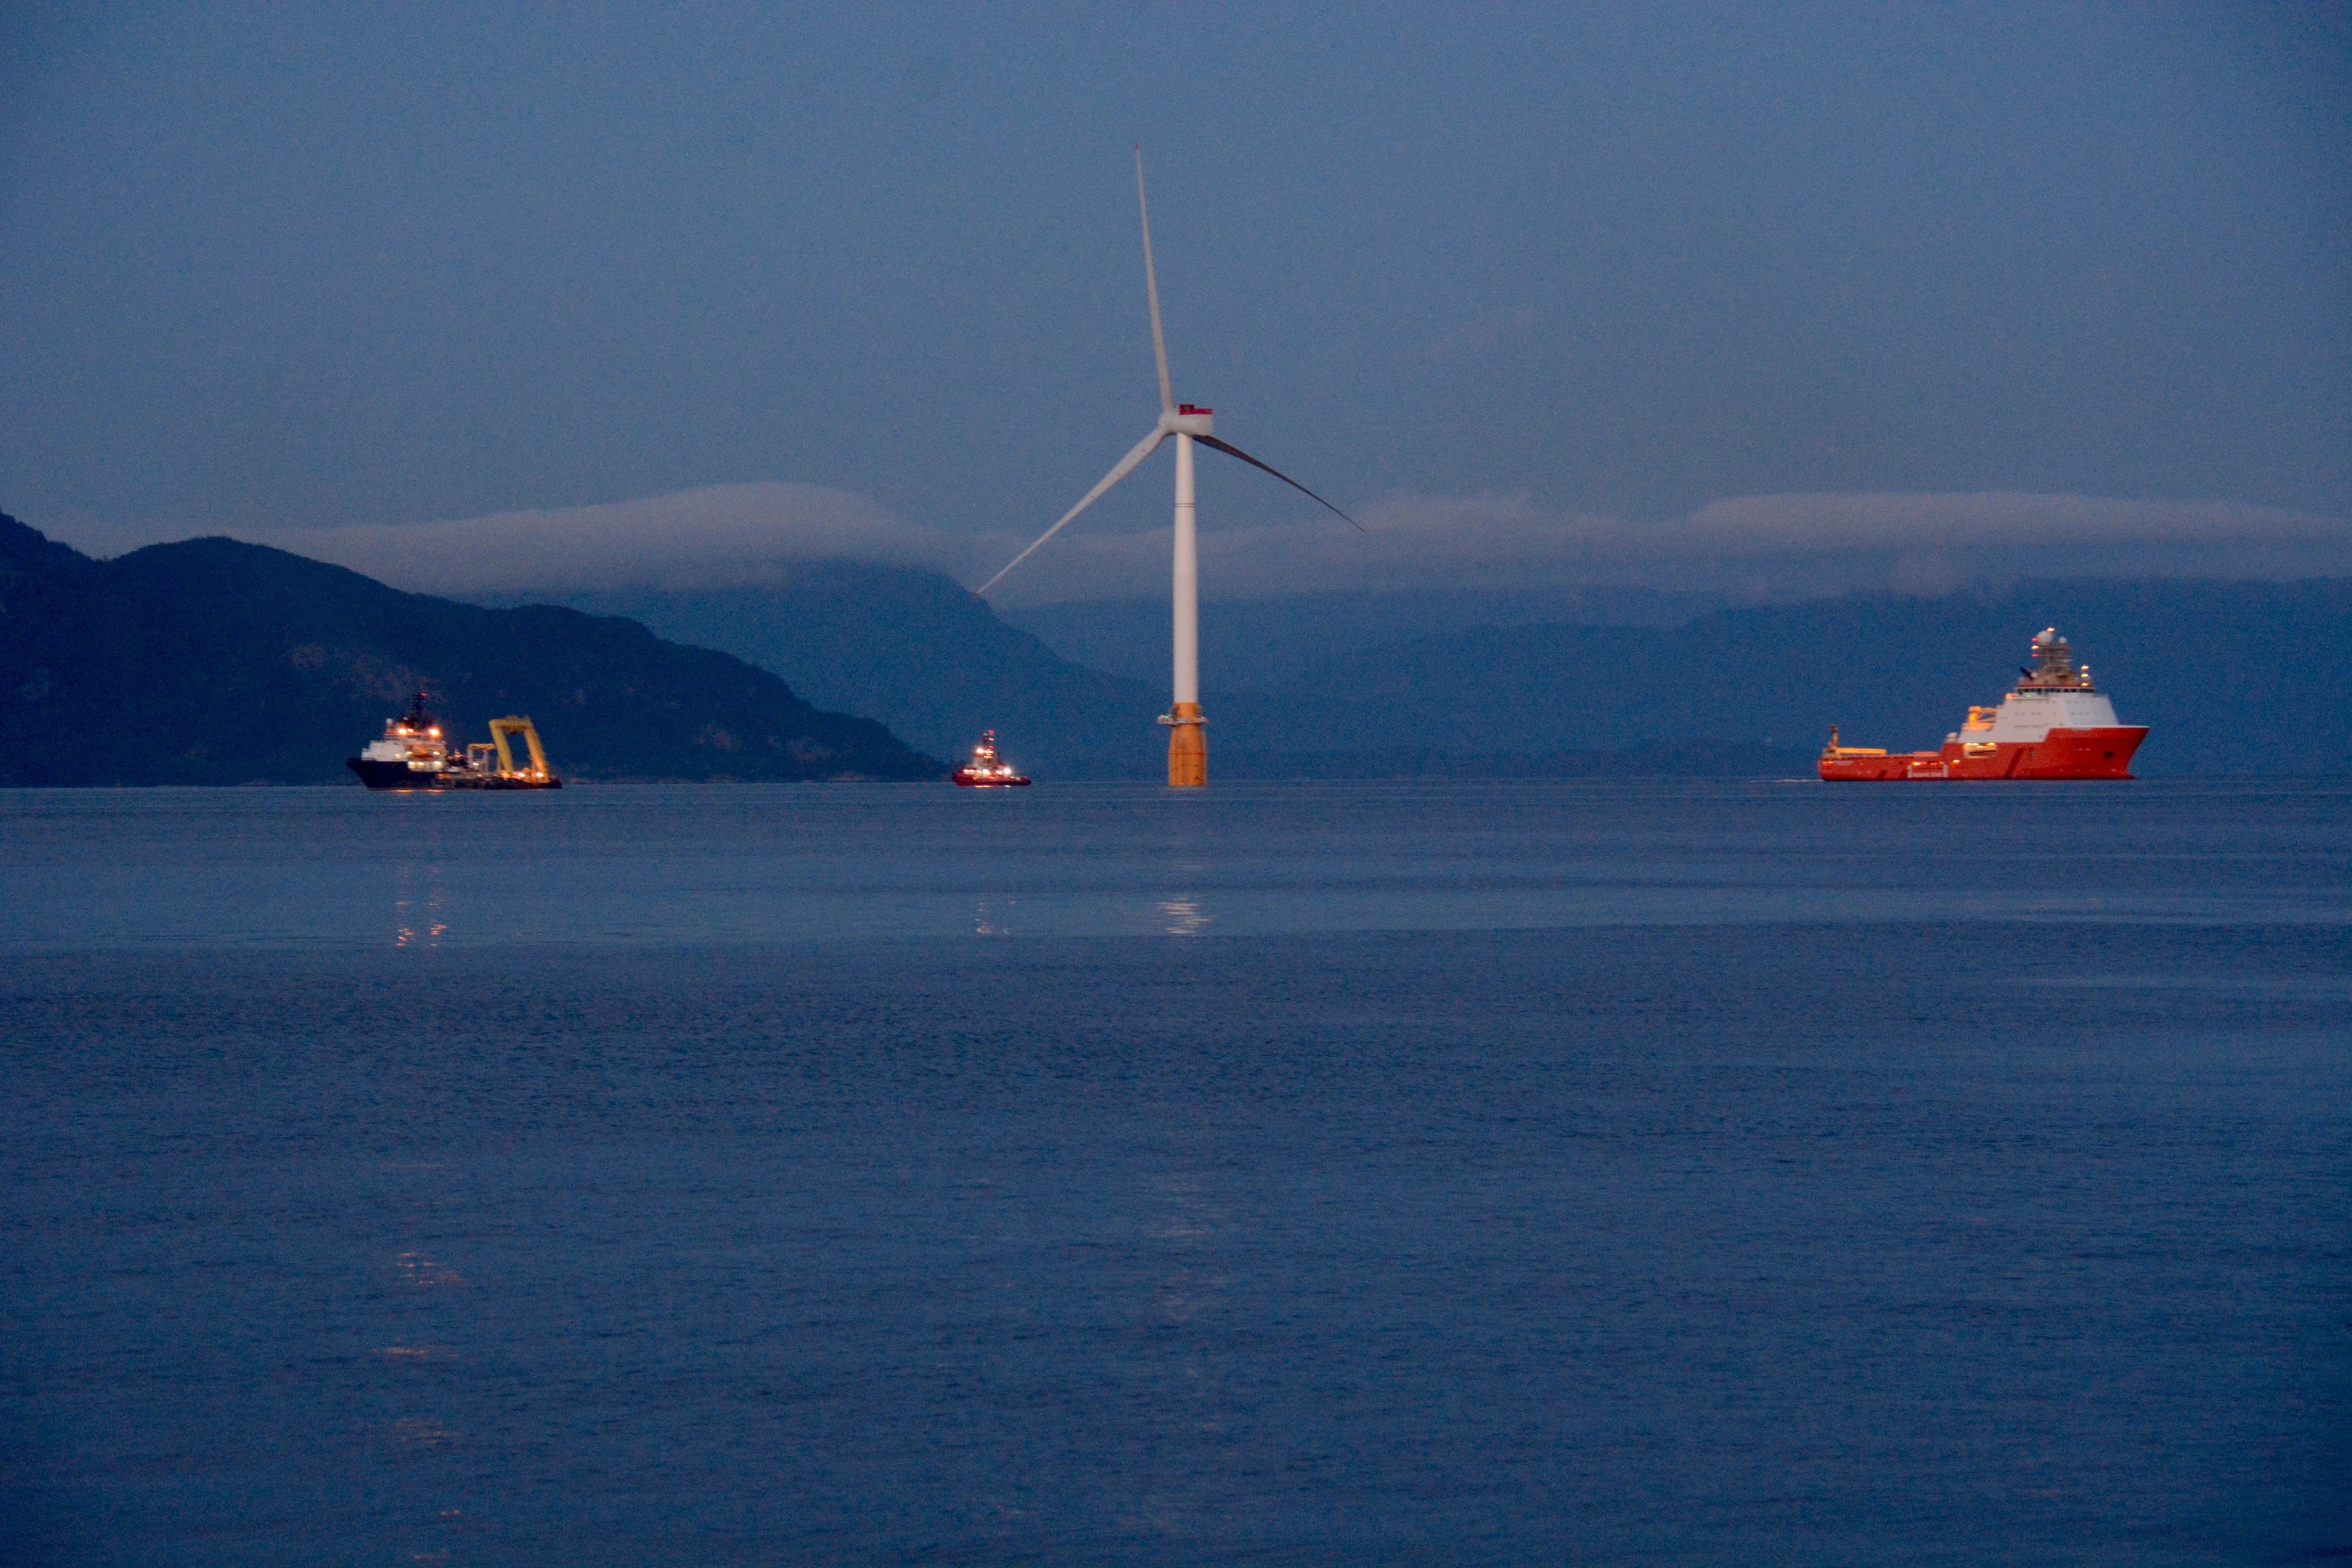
(2231, 676)
(213, 661)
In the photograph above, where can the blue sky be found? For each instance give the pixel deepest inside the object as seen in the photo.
(313, 267)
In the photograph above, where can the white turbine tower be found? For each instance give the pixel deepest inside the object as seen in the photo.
(1187, 749)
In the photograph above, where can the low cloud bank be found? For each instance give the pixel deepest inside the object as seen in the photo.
(721, 536)
(1756, 547)
(1777, 547)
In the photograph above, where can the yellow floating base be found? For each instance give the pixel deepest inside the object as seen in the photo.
(1188, 747)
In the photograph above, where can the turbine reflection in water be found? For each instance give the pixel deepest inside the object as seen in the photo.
(1183, 917)
(1181, 911)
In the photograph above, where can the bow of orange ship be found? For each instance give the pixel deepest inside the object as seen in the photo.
(2054, 725)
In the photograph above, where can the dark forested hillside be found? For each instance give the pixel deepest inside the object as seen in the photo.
(917, 651)
(215, 662)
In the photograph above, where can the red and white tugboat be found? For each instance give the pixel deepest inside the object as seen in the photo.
(2054, 725)
(987, 769)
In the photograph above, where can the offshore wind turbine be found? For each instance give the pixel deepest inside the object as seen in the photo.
(1188, 747)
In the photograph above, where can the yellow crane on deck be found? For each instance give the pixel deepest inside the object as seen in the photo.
(477, 755)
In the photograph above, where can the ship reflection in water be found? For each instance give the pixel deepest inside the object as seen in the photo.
(408, 929)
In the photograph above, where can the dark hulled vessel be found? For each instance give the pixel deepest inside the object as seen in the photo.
(413, 755)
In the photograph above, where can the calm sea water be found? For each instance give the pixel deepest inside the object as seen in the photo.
(1674, 1173)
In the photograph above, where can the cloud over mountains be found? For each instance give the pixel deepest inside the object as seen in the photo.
(1761, 547)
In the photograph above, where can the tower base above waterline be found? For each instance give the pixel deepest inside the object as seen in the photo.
(1187, 746)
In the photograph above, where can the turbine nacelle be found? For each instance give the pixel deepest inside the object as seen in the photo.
(1190, 422)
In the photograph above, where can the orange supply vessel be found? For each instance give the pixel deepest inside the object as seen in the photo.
(987, 769)
(2054, 725)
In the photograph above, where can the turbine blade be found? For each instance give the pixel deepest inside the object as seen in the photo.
(1141, 450)
(1151, 287)
(1230, 450)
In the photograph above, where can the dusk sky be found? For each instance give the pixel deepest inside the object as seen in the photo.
(302, 268)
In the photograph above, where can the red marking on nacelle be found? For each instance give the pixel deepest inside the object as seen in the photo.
(1188, 408)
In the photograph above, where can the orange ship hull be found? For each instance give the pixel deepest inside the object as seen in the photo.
(2103, 753)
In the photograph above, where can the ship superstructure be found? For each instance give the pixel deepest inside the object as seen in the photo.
(2055, 724)
(410, 756)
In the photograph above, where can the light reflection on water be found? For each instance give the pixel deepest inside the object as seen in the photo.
(1183, 917)
(635, 864)
(417, 921)
(734, 1175)
(420, 1272)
